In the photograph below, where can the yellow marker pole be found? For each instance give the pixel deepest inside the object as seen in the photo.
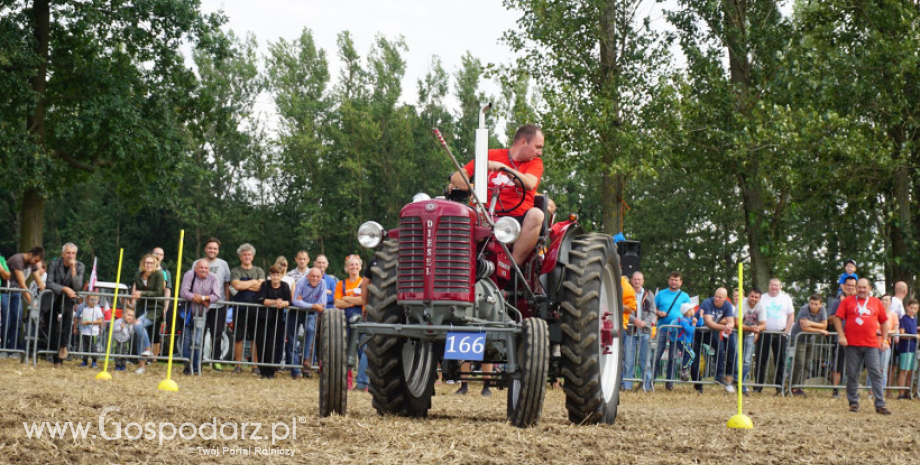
(104, 374)
(740, 420)
(168, 384)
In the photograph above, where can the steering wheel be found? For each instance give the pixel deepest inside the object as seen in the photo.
(515, 183)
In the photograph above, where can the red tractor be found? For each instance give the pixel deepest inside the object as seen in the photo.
(444, 287)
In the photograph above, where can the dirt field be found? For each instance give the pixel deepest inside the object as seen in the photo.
(668, 428)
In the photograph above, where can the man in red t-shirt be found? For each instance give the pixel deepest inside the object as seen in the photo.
(522, 159)
(863, 315)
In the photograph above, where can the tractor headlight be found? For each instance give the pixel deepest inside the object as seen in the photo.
(507, 230)
(420, 197)
(370, 234)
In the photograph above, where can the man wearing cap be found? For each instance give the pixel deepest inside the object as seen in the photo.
(849, 272)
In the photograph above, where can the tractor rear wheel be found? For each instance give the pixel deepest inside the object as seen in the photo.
(527, 390)
(333, 390)
(592, 324)
(401, 371)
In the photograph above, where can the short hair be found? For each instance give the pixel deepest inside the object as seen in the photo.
(69, 245)
(848, 278)
(247, 247)
(755, 290)
(913, 302)
(37, 251)
(302, 251)
(275, 269)
(140, 267)
(281, 261)
(815, 297)
(526, 132)
(675, 274)
(214, 240)
(353, 257)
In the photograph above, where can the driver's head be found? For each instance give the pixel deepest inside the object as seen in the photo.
(527, 143)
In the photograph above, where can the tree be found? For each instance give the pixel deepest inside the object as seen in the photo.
(860, 68)
(596, 68)
(90, 86)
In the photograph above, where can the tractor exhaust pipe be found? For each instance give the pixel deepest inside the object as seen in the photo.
(481, 170)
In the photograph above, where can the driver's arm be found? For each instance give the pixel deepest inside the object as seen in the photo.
(530, 181)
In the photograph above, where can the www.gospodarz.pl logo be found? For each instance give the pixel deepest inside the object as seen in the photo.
(163, 431)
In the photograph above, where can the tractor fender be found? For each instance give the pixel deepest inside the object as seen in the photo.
(557, 256)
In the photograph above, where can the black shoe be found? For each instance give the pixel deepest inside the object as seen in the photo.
(308, 374)
(882, 411)
(187, 371)
(798, 393)
(486, 392)
(699, 388)
(854, 408)
(462, 391)
(835, 394)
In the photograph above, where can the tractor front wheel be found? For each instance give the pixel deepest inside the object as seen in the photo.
(333, 390)
(527, 389)
(402, 371)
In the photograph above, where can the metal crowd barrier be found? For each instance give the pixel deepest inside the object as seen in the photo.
(818, 358)
(228, 332)
(771, 362)
(637, 366)
(13, 310)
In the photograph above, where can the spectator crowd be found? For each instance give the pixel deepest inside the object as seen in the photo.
(878, 335)
(270, 320)
(263, 320)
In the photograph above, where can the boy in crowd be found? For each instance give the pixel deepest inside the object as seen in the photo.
(122, 333)
(812, 318)
(907, 347)
(90, 320)
(684, 339)
(849, 271)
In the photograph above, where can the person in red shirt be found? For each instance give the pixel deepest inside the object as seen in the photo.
(863, 315)
(522, 159)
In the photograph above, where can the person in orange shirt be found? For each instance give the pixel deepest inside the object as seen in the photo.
(629, 300)
(349, 297)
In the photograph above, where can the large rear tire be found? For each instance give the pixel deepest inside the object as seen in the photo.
(401, 371)
(527, 390)
(333, 369)
(592, 311)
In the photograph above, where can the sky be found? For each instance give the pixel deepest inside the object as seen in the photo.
(447, 29)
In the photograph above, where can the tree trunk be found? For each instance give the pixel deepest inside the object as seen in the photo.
(32, 212)
(899, 230)
(612, 184)
(752, 200)
(31, 219)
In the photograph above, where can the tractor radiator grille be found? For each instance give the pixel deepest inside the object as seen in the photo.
(446, 261)
(411, 255)
(453, 256)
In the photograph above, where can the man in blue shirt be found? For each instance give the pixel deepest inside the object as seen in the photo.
(719, 317)
(667, 303)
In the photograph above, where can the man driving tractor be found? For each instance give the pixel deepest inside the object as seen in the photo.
(516, 198)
